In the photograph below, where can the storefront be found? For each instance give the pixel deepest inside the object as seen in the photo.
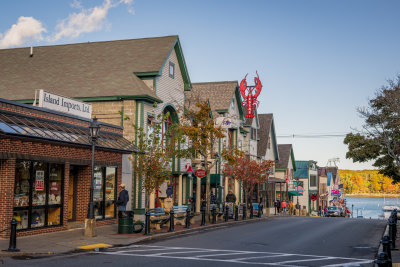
(45, 169)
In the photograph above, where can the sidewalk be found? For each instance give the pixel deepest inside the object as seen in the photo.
(69, 241)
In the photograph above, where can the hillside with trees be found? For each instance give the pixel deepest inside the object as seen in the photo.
(366, 182)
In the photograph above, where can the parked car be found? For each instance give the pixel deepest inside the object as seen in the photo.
(335, 212)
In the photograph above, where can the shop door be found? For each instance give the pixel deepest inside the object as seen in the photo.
(72, 194)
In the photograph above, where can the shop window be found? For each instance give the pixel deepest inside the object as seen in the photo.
(38, 194)
(104, 192)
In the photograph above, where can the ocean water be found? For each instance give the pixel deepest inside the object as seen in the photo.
(370, 207)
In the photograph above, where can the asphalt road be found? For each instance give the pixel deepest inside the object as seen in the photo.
(279, 241)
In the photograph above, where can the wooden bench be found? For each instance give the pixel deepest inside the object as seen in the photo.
(180, 214)
(158, 218)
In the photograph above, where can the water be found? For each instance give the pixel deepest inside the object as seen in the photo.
(370, 207)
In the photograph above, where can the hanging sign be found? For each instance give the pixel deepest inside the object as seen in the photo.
(39, 181)
(250, 94)
(200, 173)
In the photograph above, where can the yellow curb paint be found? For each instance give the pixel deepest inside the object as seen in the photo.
(94, 246)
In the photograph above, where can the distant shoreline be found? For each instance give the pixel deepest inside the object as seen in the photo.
(373, 195)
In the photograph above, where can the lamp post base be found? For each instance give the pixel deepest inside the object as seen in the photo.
(90, 227)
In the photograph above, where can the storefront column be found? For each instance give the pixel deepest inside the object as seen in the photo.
(152, 200)
(237, 190)
(226, 188)
(180, 195)
(7, 174)
(198, 194)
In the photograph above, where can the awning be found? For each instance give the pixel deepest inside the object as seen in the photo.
(214, 179)
(294, 193)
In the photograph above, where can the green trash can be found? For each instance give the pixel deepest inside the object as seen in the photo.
(125, 222)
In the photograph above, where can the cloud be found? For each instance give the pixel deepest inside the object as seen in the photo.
(87, 20)
(26, 29)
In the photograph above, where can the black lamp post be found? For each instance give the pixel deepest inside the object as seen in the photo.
(94, 132)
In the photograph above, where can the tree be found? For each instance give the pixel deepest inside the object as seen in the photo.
(379, 138)
(151, 162)
(250, 172)
(197, 125)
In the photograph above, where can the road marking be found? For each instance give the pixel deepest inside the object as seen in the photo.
(266, 256)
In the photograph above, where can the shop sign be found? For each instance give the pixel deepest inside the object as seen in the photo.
(278, 195)
(39, 181)
(200, 173)
(335, 193)
(64, 104)
(250, 94)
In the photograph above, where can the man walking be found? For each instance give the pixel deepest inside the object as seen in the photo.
(123, 198)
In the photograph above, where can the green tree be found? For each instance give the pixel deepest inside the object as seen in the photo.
(379, 138)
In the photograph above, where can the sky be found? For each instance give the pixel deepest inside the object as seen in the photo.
(317, 60)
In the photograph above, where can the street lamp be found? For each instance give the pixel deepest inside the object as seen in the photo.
(297, 189)
(94, 128)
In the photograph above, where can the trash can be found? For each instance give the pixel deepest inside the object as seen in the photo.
(125, 222)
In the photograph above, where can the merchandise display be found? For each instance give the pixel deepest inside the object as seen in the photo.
(22, 218)
(54, 216)
(37, 218)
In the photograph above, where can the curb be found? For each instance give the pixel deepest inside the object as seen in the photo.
(5, 254)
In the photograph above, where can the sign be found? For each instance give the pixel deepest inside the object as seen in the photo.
(97, 181)
(64, 104)
(335, 193)
(200, 173)
(39, 181)
(223, 122)
(250, 94)
(278, 195)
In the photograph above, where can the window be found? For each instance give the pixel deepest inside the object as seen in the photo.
(253, 133)
(313, 180)
(38, 194)
(171, 70)
(104, 192)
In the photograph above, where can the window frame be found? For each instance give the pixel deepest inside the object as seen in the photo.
(171, 65)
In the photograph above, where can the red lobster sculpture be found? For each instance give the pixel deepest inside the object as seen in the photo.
(250, 100)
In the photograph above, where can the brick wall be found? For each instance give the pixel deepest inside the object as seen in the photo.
(59, 152)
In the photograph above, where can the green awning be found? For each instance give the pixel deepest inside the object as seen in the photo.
(214, 179)
(295, 193)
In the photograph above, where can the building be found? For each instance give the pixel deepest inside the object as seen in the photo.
(45, 169)
(121, 79)
(285, 168)
(307, 175)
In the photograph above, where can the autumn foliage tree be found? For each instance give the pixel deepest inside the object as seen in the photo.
(197, 126)
(249, 172)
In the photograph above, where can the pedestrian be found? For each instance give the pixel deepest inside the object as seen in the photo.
(193, 200)
(279, 206)
(275, 205)
(325, 210)
(291, 207)
(123, 198)
(230, 197)
(213, 198)
(284, 204)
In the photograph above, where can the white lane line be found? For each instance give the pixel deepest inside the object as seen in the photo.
(224, 254)
(176, 252)
(349, 264)
(318, 259)
(260, 257)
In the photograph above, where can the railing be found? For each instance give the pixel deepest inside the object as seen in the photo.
(388, 242)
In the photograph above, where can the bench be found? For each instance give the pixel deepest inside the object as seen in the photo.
(180, 214)
(158, 217)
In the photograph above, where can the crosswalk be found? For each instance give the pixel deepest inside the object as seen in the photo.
(234, 256)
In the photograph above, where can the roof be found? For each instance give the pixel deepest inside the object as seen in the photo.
(219, 94)
(97, 69)
(20, 120)
(301, 169)
(284, 156)
(265, 122)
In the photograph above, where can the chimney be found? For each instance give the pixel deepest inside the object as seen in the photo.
(31, 54)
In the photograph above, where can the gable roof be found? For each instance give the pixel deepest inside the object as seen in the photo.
(98, 69)
(219, 93)
(266, 127)
(285, 152)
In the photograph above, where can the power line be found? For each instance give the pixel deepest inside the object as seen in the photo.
(313, 135)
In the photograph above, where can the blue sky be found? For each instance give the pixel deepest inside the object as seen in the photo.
(317, 60)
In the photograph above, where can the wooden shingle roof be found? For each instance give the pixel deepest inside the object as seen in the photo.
(284, 156)
(82, 70)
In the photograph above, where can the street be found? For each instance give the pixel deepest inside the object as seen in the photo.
(275, 241)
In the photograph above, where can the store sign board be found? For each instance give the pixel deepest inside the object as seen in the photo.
(64, 104)
(97, 181)
(39, 181)
(200, 173)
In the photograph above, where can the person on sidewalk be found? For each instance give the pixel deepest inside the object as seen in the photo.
(291, 206)
(284, 204)
(123, 198)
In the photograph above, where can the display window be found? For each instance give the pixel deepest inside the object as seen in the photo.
(38, 194)
(104, 192)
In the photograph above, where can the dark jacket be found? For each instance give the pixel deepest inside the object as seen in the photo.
(230, 198)
(123, 198)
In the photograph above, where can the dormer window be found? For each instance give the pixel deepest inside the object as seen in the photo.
(171, 70)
